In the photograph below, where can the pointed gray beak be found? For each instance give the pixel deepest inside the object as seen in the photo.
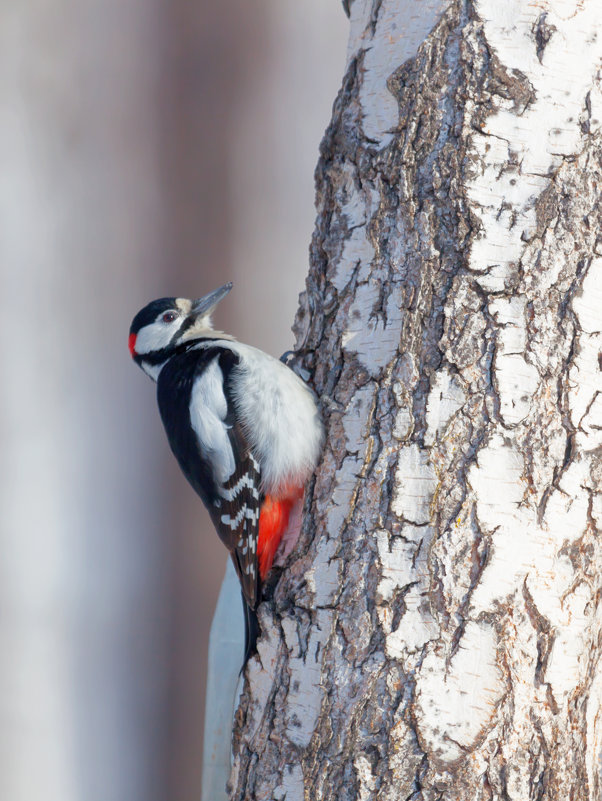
(206, 304)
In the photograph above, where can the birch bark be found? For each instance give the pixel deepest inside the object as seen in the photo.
(437, 633)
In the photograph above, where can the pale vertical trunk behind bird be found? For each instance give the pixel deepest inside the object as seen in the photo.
(82, 573)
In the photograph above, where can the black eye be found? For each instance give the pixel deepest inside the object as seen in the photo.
(169, 316)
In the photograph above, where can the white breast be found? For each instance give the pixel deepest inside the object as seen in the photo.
(279, 417)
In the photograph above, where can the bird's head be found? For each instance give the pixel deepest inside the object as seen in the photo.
(167, 324)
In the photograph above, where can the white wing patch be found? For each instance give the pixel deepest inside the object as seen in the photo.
(208, 410)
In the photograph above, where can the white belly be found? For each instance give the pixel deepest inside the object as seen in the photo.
(286, 431)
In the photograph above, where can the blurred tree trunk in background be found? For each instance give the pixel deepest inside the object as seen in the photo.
(83, 579)
(439, 633)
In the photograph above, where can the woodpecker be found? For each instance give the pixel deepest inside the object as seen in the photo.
(242, 425)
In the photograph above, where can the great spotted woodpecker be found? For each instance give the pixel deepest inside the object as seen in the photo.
(243, 426)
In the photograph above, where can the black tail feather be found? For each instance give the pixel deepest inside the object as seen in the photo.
(251, 631)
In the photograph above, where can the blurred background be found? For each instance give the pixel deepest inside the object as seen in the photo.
(148, 148)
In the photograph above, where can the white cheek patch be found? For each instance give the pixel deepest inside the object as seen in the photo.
(156, 336)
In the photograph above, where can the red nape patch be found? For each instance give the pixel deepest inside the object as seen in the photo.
(132, 344)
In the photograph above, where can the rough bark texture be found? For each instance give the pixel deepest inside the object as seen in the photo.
(438, 633)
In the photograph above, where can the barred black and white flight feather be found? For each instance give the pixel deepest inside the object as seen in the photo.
(237, 519)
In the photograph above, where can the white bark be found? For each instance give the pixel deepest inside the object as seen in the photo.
(438, 633)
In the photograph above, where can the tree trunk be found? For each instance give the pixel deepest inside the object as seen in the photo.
(437, 633)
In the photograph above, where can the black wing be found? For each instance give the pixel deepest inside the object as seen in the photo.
(234, 501)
